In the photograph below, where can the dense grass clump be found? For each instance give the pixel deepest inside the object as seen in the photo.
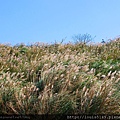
(60, 79)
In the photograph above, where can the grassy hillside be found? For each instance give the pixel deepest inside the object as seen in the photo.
(58, 78)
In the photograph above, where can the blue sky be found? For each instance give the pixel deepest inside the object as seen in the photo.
(30, 21)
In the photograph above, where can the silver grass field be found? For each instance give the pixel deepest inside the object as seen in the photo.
(60, 79)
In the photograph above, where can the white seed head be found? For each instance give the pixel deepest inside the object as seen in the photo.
(109, 74)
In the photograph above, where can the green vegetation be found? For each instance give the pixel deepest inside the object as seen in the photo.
(60, 79)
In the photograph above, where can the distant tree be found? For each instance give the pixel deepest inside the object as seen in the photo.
(82, 38)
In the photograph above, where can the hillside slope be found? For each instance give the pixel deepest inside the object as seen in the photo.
(60, 79)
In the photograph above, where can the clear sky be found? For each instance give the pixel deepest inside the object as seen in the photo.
(30, 21)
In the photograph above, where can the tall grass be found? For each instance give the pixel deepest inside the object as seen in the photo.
(60, 79)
